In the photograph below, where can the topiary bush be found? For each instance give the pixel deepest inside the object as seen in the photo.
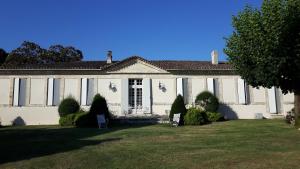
(178, 106)
(83, 119)
(67, 120)
(68, 106)
(214, 116)
(195, 116)
(207, 101)
(99, 106)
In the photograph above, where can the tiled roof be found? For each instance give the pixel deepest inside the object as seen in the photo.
(163, 64)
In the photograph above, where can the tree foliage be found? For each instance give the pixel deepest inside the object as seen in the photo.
(265, 45)
(3, 56)
(32, 53)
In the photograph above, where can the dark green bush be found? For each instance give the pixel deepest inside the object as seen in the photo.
(67, 120)
(214, 116)
(208, 101)
(83, 119)
(195, 116)
(178, 106)
(99, 106)
(68, 106)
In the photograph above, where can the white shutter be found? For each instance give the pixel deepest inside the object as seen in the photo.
(50, 92)
(146, 95)
(179, 86)
(84, 91)
(124, 97)
(16, 91)
(272, 100)
(211, 85)
(241, 91)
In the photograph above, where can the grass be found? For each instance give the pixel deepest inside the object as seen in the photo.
(233, 144)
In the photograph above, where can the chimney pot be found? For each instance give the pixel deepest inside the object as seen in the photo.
(109, 57)
(214, 57)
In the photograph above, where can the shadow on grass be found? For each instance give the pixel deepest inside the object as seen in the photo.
(23, 143)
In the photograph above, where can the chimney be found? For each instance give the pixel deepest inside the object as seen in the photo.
(214, 57)
(109, 57)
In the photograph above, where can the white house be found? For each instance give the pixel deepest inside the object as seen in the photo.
(132, 87)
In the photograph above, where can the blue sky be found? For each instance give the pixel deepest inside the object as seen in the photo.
(153, 29)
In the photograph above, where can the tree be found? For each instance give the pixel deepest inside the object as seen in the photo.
(27, 53)
(58, 53)
(3, 56)
(32, 53)
(265, 46)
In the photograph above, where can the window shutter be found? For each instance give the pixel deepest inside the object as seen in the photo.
(16, 91)
(179, 86)
(146, 95)
(50, 92)
(84, 91)
(124, 97)
(272, 100)
(241, 91)
(211, 85)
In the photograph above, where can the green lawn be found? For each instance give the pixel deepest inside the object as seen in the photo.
(233, 144)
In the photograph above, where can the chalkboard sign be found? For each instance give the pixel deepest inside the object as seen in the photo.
(101, 121)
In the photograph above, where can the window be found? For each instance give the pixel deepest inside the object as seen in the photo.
(53, 97)
(19, 92)
(135, 94)
(87, 91)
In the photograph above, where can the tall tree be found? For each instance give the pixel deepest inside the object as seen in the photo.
(3, 56)
(32, 53)
(27, 53)
(58, 53)
(265, 46)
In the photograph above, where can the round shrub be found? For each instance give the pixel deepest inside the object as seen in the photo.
(214, 116)
(195, 116)
(178, 106)
(208, 101)
(67, 120)
(68, 106)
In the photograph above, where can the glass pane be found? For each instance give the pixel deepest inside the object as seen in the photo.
(131, 97)
(139, 81)
(139, 97)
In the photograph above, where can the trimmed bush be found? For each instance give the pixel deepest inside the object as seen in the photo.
(67, 120)
(99, 106)
(178, 106)
(195, 116)
(83, 119)
(214, 116)
(68, 106)
(207, 101)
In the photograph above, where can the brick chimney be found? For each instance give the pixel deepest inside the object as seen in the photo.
(109, 57)
(214, 57)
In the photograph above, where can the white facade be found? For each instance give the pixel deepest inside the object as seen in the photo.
(153, 95)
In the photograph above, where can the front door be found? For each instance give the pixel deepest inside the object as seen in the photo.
(135, 96)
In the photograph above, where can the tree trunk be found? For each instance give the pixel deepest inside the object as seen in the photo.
(297, 108)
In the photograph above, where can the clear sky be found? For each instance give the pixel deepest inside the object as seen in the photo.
(153, 29)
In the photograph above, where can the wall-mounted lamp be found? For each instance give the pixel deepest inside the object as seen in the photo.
(161, 86)
(112, 87)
